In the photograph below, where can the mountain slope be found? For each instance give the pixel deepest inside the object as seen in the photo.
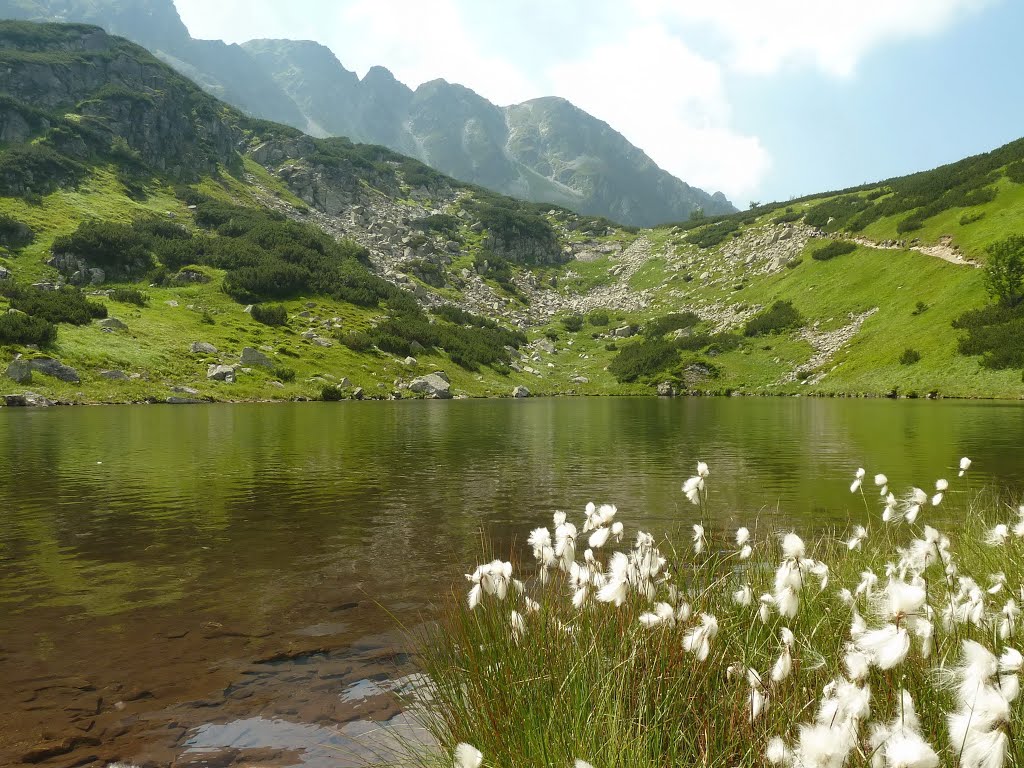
(244, 260)
(582, 162)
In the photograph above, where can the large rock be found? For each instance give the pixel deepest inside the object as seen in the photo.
(27, 400)
(113, 324)
(19, 370)
(55, 368)
(115, 375)
(432, 385)
(203, 348)
(520, 391)
(220, 373)
(624, 332)
(253, 357)
(665, 389)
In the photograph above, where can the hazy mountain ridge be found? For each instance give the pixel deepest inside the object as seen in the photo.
(582, 163)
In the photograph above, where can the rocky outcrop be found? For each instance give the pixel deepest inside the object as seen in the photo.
(435, 385)
(55, 368)
(202, 348)
(220, 373)
(520, 391)
(253, 357)
(19, 371)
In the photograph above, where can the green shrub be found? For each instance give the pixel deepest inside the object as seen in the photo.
(970, 218)
(270, 314)
(357, 341)
(781, 316)
(641, 360)
(794, 262)
(67, 305)
(611, 346)
(36, 169)
(119, 249)
(129, 296)
(22, 329)
(572, 323)
(430, 273)
(207, 318)
(283, 374)
(909, 356)
(1015, 172)
(1004, 272)
(713, 343)
(441, 223)
(714, 234)
(669, 323)
(920, 308)
(599, 318)
(996, 333)
(14, 234)
(832, 249)
(789, 217)
(330, 393)
(910, 224)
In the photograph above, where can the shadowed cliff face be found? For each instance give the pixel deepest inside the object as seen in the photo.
(545, 150)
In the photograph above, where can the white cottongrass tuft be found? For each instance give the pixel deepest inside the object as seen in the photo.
(468, 756)
(965, 464)
(699, 542)
(886, 647)
(997, 535)
(698, 640)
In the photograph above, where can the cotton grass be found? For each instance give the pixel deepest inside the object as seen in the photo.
(892, 644)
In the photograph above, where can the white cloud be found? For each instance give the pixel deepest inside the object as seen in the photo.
(670, 102)
(633, 64)
(831, 35)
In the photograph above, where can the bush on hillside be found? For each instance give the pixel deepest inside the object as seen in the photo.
(599, 318)
(23, 329)
(712, 343)
(643, 359)
(572, 323)
(357, 341)
(67, 305)
(1015, 172)
(270, 314)
(129, 296)
(832, 249)
(781, 316)
(36, 169)
(668, 323)
(909, 356)
(996, 333)
(330, 393)
(120, 250)
(714, 234)
(14, 234)
(1004, 272)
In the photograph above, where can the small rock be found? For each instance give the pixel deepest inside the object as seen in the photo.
(114, 375)
(220, 373)
(252, 356)
(416, 348)
(5, 273)
(174, 400)
(320, 341)
(202, 348)
(172, 303)
(20, 371)
(580, 380)
(357, 393)
(410, 361)
(520, 391)
(345, 383)
(665, 389)
(185, 390)
(624, 332)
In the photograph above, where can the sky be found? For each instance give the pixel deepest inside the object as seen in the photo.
(761, 99)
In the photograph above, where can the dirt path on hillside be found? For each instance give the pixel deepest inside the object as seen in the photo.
(944, 249)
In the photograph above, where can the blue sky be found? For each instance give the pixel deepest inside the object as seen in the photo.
(763, 99)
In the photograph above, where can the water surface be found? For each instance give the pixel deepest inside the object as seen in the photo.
(224, 567)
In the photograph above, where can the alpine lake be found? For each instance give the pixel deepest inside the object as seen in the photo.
(230, 584)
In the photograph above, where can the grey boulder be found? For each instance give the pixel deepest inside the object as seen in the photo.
(55, 368)
(253, 357)
(432, 385)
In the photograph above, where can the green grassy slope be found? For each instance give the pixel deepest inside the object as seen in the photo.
(861, 310)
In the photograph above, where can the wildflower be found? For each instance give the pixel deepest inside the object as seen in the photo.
(744, 596)
(582, 764)
(978, 728)
(941, 485)
(890, 508)
(868, 581)
(793, 547)
(699, 541)
(518, 625)
(742, 536)
(764, 610)
(857, 480)
(1018, 529)
(617, 586)
(998, 581)
(899, 744)
(860, 535)
(702, 470)
(887, 647)
(882, 482)
(698, 640)
(784, 664)
(617, 531)
(965, 464)
(663, 615)
(491, 579)
(778, 753)
(997, 535)
(565, 543)
(758, 696)
(937, 499)
(857, 663)
(1008, 622)
(599, 537)
(467, 756)
(746, 551)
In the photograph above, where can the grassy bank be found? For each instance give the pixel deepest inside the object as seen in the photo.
(890, 644)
